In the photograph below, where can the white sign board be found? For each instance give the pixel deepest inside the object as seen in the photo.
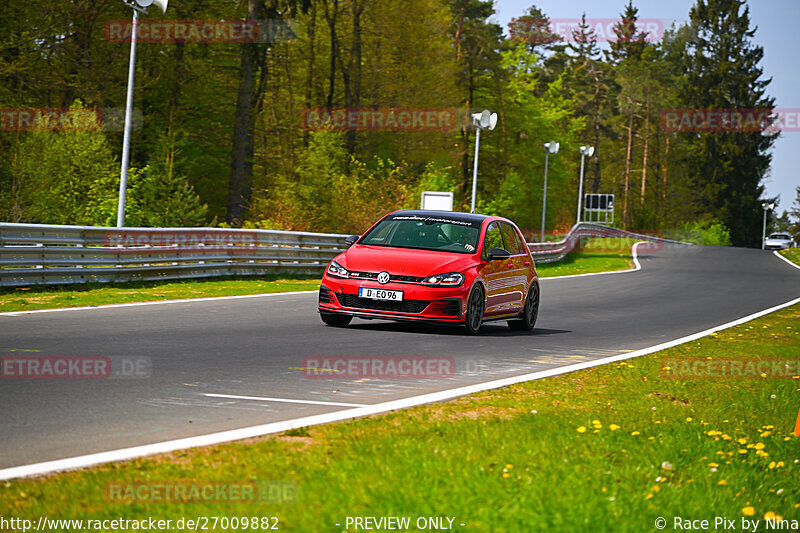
(437, 201)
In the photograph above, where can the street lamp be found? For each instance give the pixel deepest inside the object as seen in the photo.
(585, 151)
(481, 120)
(765, 206)
(549, 148)
(138, 6)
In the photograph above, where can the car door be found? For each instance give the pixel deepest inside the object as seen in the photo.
(497, 274)
(519, 267)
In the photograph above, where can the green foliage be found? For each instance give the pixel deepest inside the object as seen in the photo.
(710, 233)
(438, 54)
(66, 177)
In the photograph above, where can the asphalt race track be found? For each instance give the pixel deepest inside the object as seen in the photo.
(256, 346)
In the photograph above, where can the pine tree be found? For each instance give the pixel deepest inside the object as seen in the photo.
(723, 72)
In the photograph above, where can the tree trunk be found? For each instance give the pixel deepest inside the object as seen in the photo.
(627, 173)
(312, 26)
(331, 18)
(644, 158)
(596, 181)
(244, 123)
(664, 170)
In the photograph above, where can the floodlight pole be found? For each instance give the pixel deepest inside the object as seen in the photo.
(475, 169)
(126, 137)
(544, 198)
(584, 151)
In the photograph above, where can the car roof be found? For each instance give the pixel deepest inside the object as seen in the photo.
(454, 215)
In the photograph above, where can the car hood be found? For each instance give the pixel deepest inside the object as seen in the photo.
(403, 261)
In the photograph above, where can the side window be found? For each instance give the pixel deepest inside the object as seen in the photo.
(494, 239)
(510, 235)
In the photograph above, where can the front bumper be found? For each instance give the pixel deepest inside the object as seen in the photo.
(436, 304)
(777, 246)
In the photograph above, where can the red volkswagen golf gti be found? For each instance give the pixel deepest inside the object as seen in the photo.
(434, 266)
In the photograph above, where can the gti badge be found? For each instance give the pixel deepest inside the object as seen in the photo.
(383, 278)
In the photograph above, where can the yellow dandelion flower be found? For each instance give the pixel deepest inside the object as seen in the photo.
(722, 482)
(613, 427)
(742, 450)
(650, 495)
(634, 433)
(760, 446)
(656, 488)
(713, 465)
(688, 418)
(749, 510)
(509, 465)
(581, 429)
(779, 464)
(506, 474)
(742, 441)
(771, 465)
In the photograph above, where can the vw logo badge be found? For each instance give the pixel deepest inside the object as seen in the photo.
(383, 278)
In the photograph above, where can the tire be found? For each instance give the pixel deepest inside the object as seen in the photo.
(335, 319)
(529, 313)
(475, 309)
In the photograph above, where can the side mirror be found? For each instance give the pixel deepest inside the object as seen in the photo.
(351, 239)
(498, 253)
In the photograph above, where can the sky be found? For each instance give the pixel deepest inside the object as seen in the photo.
(777, 33)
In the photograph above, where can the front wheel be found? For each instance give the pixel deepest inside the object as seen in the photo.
(335, 319)
(529, 312)
(475, 308)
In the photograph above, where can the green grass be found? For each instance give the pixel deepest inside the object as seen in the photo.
(32, 298)
(792, 254)
(596, 257)
(513, 459)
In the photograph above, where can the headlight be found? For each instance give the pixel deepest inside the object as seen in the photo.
(450, 280)
(336, 270)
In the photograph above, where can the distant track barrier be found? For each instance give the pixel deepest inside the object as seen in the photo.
(39, 254)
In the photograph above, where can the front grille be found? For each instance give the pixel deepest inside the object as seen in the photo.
(449, 307)
(407, 279)
(325, 295)
(365, 275)
(405, 306)
(392, 277)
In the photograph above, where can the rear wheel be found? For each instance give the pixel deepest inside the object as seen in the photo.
(335, 319)
(529, 312)
(475, 308)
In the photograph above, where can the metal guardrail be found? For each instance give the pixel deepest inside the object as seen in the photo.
(36, 254)
(550, 252)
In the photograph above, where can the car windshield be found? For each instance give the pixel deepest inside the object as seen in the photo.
(779, 236)
(425, 233)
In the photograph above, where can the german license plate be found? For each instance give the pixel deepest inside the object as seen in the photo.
(380, 294)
